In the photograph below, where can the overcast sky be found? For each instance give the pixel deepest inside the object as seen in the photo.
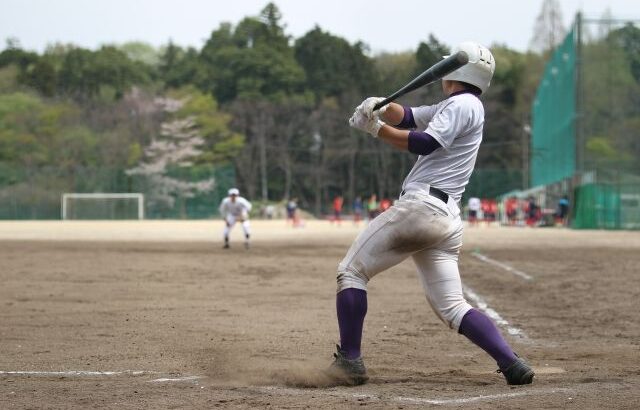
(396, 25)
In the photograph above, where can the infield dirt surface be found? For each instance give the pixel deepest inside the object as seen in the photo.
(182, 323)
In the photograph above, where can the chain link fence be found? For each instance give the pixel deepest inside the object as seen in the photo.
(36, 193)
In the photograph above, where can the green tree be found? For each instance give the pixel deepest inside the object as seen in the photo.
(85, 74)
(221, 144)
(252, 61)
(334, 67)
(627, 39)
(180, 68)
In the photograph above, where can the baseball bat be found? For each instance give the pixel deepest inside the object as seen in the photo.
(428, 76)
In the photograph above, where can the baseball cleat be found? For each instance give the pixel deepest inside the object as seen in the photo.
(518, 373)
(226, 246)
(347, 372)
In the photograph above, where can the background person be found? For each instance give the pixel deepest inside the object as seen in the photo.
(337, 209)
(563, 210)
(474, 204)
(235, 208)
(372, 207)
(358, 209)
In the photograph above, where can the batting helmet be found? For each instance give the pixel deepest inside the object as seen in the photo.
(480, 68)
(233, 191)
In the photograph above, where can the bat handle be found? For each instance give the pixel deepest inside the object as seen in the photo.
(382, 103)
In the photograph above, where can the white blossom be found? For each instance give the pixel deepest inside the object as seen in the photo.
(177, 145)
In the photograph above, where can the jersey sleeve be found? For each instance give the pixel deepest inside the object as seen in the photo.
(422, 115)
(451, 121)
(223, 208)
(247, 205)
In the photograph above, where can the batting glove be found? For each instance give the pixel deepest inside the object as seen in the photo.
(368, 104)
(361, 122)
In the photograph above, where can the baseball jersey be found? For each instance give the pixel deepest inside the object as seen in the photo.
(456, 123)
(474, 204)
(238, 208)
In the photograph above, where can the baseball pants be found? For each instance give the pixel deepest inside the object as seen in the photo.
(231, 221)
(425, 228)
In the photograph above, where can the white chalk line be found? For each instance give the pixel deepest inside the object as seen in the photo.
(483, 306)
(176, 379)
(502, 265)
(410, 400)
(77, 373)
(88, 373)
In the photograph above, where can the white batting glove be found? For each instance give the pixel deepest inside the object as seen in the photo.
(361, 122)
(368, 104)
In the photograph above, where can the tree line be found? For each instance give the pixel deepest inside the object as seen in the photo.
(273, 107)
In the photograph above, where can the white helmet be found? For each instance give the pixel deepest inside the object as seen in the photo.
(480, 68)
(234, 191)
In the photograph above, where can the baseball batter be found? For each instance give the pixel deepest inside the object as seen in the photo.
(235, 208)
(425, 222)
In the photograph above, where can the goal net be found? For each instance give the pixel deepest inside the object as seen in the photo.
(102, 206)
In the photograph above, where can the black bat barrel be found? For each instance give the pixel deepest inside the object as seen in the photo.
(433, 73)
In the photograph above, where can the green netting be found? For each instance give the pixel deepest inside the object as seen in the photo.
(554, 114)
(607, 206)
(597, 207)
(35, 193)
(201, 206)
(490, 183)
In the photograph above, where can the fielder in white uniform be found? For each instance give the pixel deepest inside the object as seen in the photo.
(425, 222)
(232, 209)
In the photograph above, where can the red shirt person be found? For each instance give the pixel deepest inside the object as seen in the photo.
(337, 208)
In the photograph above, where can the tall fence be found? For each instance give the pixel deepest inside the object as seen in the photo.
(36, 193)
(586, 124)
(554, 117)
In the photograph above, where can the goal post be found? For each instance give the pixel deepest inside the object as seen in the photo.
(101, 205)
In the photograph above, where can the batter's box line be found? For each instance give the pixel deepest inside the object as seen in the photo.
(76, 373)
(89, 373)
(287, 391)
(500, 321)
(502, 265)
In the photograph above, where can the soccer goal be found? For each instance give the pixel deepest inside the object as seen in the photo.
(102, 206)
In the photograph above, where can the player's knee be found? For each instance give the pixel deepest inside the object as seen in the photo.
(452, 313)
(351, 279)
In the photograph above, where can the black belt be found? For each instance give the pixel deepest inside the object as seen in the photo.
(441, 195)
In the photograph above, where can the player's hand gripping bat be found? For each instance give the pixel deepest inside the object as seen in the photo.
(430, 75)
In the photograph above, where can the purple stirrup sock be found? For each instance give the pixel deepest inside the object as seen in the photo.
(351, 305)
(478, 328)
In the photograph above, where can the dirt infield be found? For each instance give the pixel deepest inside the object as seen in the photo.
(156, 315)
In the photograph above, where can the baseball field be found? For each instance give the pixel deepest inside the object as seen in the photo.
(150, 314)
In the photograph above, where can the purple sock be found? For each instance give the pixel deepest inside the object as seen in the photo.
(478, 328)
(351, 305)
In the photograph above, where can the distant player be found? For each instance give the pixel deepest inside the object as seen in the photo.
(358, 209)
(512, 210)
(533, 212)
(563, 211)
(474, 205)
(292, 211)
(425, 222)
(372, 207)
(235, 208)
(337, 209)
(385, 204)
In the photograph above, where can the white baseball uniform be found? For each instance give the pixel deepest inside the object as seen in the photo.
(232, 211)
(421, 225)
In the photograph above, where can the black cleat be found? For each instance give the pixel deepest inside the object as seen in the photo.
(226, 246)
(347, 372)
(518, 373)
